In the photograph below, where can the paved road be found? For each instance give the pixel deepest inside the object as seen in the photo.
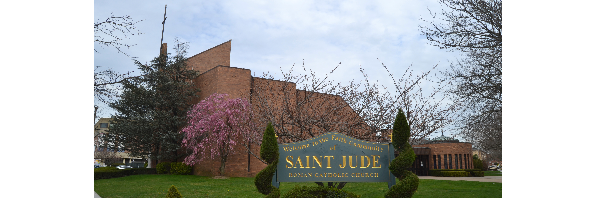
(497, 179)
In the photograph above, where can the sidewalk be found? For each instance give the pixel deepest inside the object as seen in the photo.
(497, 179)
(95, 195)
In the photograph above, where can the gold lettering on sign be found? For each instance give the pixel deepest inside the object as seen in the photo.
(362, 162)
(328, 165)
(298, 162)
(375, 161)
(318, 161)
(344, 162)
(351, 161)
(289, 161)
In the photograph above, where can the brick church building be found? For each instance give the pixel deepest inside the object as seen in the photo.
(297, 115)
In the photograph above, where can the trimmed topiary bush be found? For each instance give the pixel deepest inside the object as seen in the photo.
(408, 182)
(163, 168)
(179, 168)
(173, 193)
(269, 153)
(317, 192)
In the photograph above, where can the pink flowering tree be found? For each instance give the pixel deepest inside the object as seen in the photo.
(216, 125)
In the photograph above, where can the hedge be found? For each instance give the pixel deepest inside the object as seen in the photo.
(109, 172)
(317, 191)
(179, 168)
(456, 173)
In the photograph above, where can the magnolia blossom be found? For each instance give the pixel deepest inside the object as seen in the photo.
(216, 125)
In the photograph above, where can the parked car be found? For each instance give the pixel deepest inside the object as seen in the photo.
(493, 167)
(123, 167)
(96, 166)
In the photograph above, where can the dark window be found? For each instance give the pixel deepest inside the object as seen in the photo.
(439, 162)
(456, 162)
(434, 157)
(445, 162)
(467, 161)
(103, 125)
(461, 161)
(450, 161)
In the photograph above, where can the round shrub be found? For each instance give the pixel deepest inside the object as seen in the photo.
(179, 168)
(163, 168)
(317, 192)
(173, 193)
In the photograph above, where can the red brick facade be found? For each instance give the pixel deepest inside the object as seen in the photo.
(449, 155)
(218, 77)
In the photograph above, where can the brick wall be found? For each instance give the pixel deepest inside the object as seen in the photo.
(282, 100)
(442, 149)
(206, 60)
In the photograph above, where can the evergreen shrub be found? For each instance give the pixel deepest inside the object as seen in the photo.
(408, 182)
(163, 168)
(173, 192)
(107, 173)
(318, 192)
(451, 173)
(269, 153)
(143, 171)
(179, 168)
(111, 172)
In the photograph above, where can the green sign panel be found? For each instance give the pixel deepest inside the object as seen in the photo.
(334, 157)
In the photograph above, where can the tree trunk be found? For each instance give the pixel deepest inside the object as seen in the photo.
(222, 165)
(341, 185)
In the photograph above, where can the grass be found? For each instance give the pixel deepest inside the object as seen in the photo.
(196, 186)
(492, 173)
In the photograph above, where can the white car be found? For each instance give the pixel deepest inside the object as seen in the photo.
(123, 167)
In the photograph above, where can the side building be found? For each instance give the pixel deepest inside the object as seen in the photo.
(441, 153)
(105, 157)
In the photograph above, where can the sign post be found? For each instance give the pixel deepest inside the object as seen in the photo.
(334, 157)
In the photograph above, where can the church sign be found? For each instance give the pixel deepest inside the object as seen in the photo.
(334, 157)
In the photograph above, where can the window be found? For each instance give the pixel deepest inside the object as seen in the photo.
(434, 158)
(450, 161)
(456, 161)
(103, 125)
(467, 161)
(445, 162)
(461, 161)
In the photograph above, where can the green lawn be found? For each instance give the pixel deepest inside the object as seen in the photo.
(196, 186)
(492, 173)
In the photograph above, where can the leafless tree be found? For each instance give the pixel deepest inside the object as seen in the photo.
(111, 33)
(302, 106)
(113, 30)
(474, 27)
(102, 152)
(106, 156)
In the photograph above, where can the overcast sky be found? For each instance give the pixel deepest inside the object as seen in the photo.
(268, 35)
